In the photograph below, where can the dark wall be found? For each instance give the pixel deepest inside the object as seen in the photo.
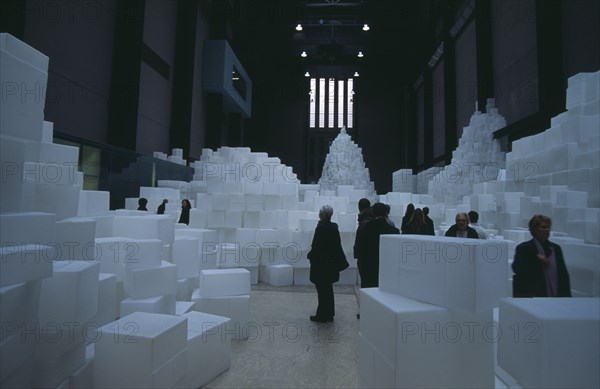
(377, 128)
(580, 36)
(78, 39)
(156, 77)
(466, 76)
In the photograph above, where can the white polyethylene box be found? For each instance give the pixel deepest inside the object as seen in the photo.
(550, 342)
(142, 342)
(71, 294)
(224, 282)
(459, 273)
(208, 347)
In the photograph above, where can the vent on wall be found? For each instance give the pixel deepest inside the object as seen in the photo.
(223, 73)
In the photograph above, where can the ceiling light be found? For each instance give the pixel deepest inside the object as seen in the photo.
(307, 74)
(299, 27)
(360, 54)
(303, 55)
(356, 74)
(365, 27)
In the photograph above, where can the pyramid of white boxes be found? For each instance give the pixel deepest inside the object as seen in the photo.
(69, 267)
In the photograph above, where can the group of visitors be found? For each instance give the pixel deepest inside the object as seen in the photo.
(539, 265)
(184, 216)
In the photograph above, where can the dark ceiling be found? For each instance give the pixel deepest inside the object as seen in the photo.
(402, 37)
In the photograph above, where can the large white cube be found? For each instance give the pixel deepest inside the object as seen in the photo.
(224, 282)
(550, 342)
(71, 294)
(75, 237)
(143, 342)
(186, 256)
(165, 304)
(208, 348)
(277, 275)
(151, 282)
(26, 262)
(20, 228)
(237, 308)
(428, 346)
(460, 273)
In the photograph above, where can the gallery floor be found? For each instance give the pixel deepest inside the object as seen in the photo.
(285, 349)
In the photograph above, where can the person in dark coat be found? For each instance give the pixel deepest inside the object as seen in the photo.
(365, 215)
(142, 202)
(184, 217)
(324, 256)
(539, 265)
(461, 229)
(428, 222)
(410, 209)
(367, 246)
(161, 207)
(416, 225)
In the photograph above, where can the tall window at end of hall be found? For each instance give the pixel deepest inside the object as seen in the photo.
(327, 96)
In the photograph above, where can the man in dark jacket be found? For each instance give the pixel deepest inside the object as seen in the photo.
(461, 229)
(367, 246)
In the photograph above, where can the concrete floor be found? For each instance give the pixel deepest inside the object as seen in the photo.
(285, 349)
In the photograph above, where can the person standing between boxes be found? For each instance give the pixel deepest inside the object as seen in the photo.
(367, 246)
(365, 215)
(428, 222)
(473, 218)
(327, 259)
(184, 217)
(539, 265)
(142, 202)
(461, 229)
(410, 209)
(161, 207)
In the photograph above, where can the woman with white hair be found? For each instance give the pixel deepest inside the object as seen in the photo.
(327, 259)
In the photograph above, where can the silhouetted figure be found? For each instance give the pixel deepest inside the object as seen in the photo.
(416, 225)
(161, 207)
(326, 257)
(473, 218)
(142, 202)
(410, 209)
(428, 222)
(539, 265)
(387, 215)
(367, 246)
(461, 229)
(184, 217)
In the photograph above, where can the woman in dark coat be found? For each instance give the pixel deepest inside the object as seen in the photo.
(325, 258)
(539, 265)
(185, 212)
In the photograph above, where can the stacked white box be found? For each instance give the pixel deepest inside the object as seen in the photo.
(153, 281)
(20, 228)
(165, 304)
(107, 300)
(237, 308)
(145, 227)
(224, 282)
(277, 275)
(550, 342)
(93, 203)
(152, 346)
(225, 292)
(455, 273)
(208, 348)
(75, 239)
(71, 294)
(186, 256)
(26, 262)
(426, 345)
